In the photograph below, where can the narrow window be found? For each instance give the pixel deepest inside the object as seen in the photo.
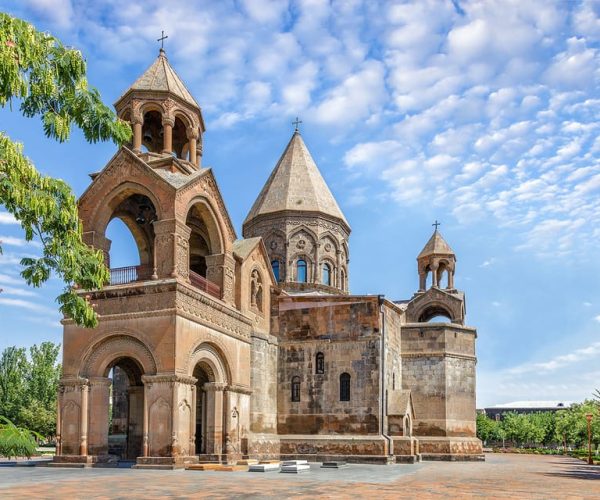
(301, 271)
(275, 266)
(345, 387)
(326, 278)
(295, 389)
(320, 363)
(343, 280)
(393, 381)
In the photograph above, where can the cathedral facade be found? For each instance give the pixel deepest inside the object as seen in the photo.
(218, 348)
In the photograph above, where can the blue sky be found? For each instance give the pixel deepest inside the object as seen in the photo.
(483, 115)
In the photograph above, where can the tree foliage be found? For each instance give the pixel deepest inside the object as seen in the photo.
(29, 387)
(16, 441)
(566, 427)
(49, 80)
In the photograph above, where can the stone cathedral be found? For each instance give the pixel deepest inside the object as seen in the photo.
(218, 348)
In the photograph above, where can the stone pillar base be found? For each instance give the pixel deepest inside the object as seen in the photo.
(78, 461)
(451, 448)
(167, 463)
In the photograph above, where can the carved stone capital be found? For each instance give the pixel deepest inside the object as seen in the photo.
(214, 386)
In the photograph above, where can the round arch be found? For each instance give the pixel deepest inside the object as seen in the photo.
(118, 195)
(208, 215)
(433, 310)
(100, 356)
(213, 360)
(307, 230)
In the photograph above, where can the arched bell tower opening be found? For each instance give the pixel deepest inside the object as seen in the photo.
(137, 213)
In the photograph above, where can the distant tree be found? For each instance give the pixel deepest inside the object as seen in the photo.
(49, 80)
(28, 387)
(13, 378)
(44, 374)
(486, 428)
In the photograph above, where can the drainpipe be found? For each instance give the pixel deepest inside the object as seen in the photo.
(380, 299)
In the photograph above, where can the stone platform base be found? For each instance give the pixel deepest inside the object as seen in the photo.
(80, 461)
(165, 463)
(351, 459)
(453, 449)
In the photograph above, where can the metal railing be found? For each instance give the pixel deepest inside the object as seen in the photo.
(203, 284)
(129, 274)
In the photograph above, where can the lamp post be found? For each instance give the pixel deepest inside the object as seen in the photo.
(589, 417)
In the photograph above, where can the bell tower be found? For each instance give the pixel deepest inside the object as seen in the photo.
(436, 258)
(165, 118)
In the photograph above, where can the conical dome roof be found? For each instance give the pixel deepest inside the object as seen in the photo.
(436, 246)
(296, 184)
(160, 76)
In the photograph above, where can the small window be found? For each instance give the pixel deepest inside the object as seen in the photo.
(326, 278)
(343, 279)
(320, 363)
(301, 271)
(275, 266)
(295, 389)
(393, 381)
(345, 387)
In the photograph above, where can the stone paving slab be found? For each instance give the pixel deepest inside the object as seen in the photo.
(501, 476)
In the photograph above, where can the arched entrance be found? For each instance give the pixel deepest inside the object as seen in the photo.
(201, 408)
(208, 367)
(126, 409)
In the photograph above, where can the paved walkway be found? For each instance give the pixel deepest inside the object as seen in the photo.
(501, 476)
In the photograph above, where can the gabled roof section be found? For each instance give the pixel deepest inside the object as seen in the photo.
(400, 403)
(243, 248)
(436, 246)
(160, 76)
(296, 184)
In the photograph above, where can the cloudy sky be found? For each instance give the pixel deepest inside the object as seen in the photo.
(480, 114)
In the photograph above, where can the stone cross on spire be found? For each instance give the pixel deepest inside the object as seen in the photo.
(296, 122)
(162, 39)
(436, 224)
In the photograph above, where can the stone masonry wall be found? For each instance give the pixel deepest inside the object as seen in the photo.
(346, 331)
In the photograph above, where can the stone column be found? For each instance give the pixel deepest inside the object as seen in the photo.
(422, 281)
(192, 448)
(175, 448)
(167, 124)
(145, 422)
(99, 407)
(83, 430)
(220, 269)
(192, 135)
(451, 279)
(99, 241)
(434, 276)
(137, 134)
(214, 418)
(171, 249)
(199, 152)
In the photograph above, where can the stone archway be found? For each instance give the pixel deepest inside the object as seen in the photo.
(210, 369)
(114, 368)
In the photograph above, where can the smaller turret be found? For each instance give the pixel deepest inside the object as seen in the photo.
(436, 258)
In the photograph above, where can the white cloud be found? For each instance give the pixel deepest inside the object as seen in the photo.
(25, 304)
(58, 12)
(576, 356)
(18, 242)
(597, 318)
(7, 218)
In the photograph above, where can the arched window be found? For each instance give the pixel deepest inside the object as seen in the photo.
(301, 271)
(345, 387)
(326, 278)
(320, 363)
(275, 266)
(295, 389)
